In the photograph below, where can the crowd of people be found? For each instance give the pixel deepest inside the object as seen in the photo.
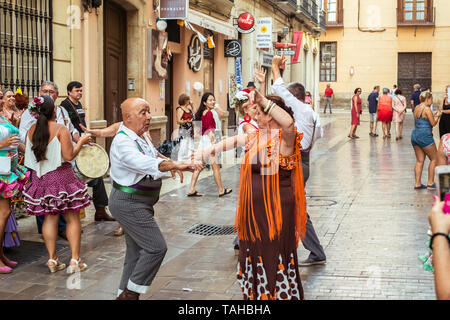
(276, 133)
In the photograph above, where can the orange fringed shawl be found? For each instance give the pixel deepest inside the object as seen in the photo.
(245, 219)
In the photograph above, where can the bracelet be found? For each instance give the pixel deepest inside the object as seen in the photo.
(271, 108)
(269, 103)
(438, 234)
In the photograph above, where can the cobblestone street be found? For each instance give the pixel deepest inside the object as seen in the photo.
(370, 221)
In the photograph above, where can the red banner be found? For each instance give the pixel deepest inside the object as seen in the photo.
(297, 39)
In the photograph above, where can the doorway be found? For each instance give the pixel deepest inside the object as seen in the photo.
(413, 68)
(115, 63)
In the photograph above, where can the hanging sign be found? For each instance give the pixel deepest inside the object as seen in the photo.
(297, 39)
(264, 33)
(173, 9)
(195, 55)
(245, 23)
(233, 48)
(239, 73)
(266, 59)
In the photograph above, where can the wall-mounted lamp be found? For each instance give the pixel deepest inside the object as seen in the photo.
(352, 71)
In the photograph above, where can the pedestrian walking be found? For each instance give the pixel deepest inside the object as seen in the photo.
(415, 97)
(356, 113)
(206, 117)
(271, 214)
(422, 140)
(54, 189)
(399, 110)
(444, 122)
(136, 172)
(308, 123)
(373, 110)
(385, 113)
(12, 180)
(185, 118)
(329, 94)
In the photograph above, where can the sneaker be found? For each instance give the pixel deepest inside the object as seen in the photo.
(310, 262)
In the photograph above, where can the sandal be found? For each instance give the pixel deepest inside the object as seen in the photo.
(76, 266)
(227, 191)
(57, 265)
(195, 194)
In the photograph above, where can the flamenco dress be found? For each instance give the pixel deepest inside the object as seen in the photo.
(54, 188)
(11, 185)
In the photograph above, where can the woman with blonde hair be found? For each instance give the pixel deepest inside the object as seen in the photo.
(422, 140)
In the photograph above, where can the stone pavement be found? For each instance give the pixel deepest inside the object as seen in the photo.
(369, 219)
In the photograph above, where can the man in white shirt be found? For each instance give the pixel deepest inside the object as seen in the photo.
(136, 171)
(307, 122)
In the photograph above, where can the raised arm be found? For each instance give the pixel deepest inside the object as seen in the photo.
(260, 76)
(103, 133)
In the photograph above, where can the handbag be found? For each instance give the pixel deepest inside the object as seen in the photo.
(5, 165)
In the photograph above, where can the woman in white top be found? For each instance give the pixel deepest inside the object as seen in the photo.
(54, 188)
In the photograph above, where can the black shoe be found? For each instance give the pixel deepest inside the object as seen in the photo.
(310, 262)
(236, 249)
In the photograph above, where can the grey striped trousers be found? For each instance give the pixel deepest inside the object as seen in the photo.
(145, 244)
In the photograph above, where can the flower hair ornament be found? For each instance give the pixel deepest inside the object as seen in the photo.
(18, 91)
(35, 106)
(241, 97)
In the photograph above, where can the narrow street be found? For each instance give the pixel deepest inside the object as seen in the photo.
(370, 221)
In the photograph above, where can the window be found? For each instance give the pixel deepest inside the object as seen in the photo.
(328, 61)
(331, 10)
(334, 12)
(415, 10)
(25, 44)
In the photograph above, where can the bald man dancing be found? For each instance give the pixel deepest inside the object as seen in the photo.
(136, 171)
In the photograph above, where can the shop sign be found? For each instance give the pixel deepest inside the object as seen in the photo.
(239, 73)
(195, 55)
(267, 60)
(245, 23)
(173, 9)
(233, 48)
(286, 52)
(264, 33)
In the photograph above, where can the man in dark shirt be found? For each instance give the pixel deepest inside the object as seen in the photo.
(373, 106)
(77, 116)
(415, 97)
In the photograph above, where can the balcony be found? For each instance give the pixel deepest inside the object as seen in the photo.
(220, 9)
(289, 6)
(322, 20)
(416, 18)
(334, 19)
(310, 10)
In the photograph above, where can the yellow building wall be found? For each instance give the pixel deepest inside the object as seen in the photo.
(374, 55)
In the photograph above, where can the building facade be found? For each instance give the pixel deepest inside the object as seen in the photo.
(118, 49)
(384, 42)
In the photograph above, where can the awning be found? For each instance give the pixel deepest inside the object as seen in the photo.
(213, 24)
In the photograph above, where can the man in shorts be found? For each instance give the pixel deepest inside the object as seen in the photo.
(373, 106)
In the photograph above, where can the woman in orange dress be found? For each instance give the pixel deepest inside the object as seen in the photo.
(385, 113)
(271, 211)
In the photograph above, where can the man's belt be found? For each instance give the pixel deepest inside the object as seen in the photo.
(138, 189)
